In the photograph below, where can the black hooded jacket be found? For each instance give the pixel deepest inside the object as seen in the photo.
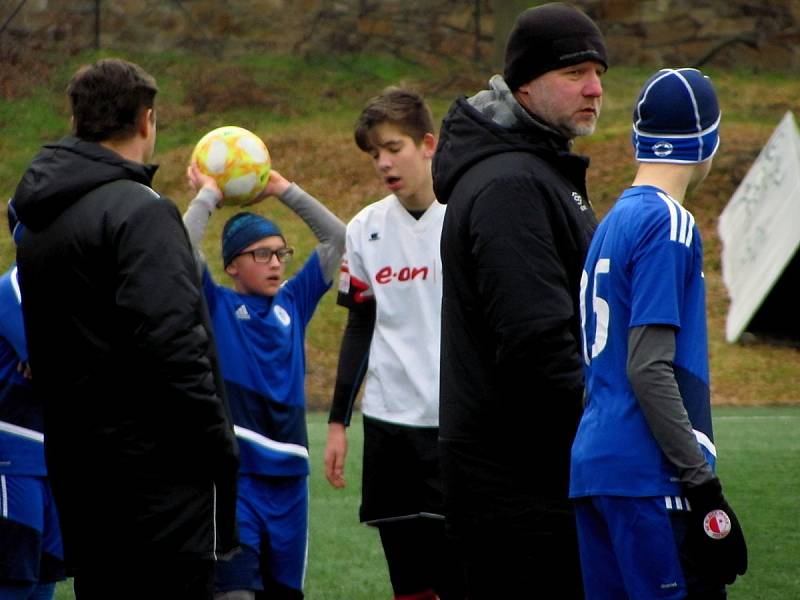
(138, 441)
(515, 235)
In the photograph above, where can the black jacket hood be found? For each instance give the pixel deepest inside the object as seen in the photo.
(467, 137)
(65, 171)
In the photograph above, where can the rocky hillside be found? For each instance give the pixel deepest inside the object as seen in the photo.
(741, 33)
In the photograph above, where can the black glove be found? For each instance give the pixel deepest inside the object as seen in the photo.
(714, 541)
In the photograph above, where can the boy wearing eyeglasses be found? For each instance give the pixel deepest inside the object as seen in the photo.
(259, 327)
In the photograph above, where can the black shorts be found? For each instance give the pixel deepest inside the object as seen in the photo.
(401, 478)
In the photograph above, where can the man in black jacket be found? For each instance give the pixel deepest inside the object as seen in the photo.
(140, 447)
(515, 235)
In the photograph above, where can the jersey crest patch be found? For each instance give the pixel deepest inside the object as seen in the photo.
(282, 315)
(717, 524)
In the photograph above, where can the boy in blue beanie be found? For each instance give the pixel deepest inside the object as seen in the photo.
(652, 520)
(260, 330)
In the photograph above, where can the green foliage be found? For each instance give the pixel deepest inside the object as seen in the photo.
(758, 449)
(26, 124)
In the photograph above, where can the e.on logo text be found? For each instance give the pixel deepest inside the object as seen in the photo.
(387, 274)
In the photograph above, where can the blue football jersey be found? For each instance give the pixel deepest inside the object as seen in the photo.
(644, 267)
(260, 341)
(21, 438)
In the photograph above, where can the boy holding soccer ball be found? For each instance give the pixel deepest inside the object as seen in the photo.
(260, 329)
(391, 283)
(652, 520)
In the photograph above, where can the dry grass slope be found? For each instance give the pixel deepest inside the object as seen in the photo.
(305, 110)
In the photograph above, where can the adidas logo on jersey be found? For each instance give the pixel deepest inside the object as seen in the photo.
(374, 236)
(242, 314)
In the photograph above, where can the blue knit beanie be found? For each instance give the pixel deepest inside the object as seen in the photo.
(676, 118)
(243, 229)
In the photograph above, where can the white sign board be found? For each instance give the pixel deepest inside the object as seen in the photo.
(760, 226)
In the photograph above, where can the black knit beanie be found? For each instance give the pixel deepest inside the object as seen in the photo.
(549, 37)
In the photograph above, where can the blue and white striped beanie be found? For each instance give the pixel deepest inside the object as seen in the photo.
(676, 118)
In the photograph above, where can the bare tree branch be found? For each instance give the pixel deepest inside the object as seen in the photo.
(13, 14)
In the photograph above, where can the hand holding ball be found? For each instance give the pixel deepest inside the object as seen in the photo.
(237, 160)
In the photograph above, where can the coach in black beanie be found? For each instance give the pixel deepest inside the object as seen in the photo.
(513, 243)
(549, 37)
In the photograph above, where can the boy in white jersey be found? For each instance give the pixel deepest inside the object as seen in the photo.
(652, 520)
(391, 283)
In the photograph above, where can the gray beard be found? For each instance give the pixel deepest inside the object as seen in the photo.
(573, 130)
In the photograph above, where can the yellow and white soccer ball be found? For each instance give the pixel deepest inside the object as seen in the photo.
(237, 159)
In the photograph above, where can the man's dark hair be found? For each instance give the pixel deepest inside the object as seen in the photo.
(107, 98)
(402, 108)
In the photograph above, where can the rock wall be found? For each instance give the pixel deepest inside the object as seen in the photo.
(739, 33)
(742, 33)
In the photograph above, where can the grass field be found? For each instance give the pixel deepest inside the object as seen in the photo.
(758, 450)
(758, 458)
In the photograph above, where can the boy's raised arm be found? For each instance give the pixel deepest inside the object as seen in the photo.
(327, 227)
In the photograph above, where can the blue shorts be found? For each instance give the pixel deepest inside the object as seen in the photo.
(633, 548)
(628, 549)
(272, 513)
(30, 539)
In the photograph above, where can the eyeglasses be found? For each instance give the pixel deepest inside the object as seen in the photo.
(264, 255)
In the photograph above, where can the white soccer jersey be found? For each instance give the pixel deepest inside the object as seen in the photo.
(393, 259)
